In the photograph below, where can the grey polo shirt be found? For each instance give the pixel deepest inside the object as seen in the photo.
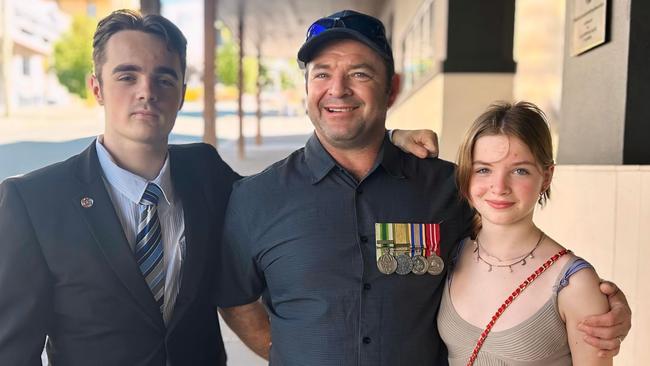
(302, 235)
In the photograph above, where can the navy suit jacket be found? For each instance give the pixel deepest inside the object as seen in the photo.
(67, 271)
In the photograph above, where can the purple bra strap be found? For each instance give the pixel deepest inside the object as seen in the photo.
(576, 266)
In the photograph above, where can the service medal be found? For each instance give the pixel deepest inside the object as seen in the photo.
(386, 263)
(420, 265)
(436, 265)
(404, 264)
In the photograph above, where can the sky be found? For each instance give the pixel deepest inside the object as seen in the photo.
(188, 16)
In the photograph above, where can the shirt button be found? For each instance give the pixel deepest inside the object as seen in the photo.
(359, 190)
(367, 286)
(363, 238)
(366, 340)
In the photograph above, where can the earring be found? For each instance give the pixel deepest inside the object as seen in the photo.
(542, 197)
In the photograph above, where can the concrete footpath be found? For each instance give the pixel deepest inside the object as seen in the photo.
(37, 137)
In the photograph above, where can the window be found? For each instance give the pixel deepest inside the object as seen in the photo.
(26, 65)
(418, 47)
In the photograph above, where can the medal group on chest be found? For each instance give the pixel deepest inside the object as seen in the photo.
(408, 248)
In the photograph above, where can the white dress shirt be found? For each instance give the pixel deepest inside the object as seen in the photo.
(125, 190)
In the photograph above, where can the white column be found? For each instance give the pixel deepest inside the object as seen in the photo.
(5, 56)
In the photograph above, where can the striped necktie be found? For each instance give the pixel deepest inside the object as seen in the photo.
(149, 245)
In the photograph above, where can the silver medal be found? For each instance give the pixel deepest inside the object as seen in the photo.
(420, 264)
(386, 263)
(436, 265)
(404, 264)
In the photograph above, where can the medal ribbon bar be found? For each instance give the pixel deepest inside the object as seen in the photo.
(384, 238)
(432, 233)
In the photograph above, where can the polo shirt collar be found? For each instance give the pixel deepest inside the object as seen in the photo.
(320, 162)
(392, 159)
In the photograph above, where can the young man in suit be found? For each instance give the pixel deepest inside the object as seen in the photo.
(109, 253)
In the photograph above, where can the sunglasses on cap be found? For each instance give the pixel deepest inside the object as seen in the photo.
(367, 26)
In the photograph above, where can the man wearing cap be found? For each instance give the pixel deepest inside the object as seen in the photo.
(347, 239)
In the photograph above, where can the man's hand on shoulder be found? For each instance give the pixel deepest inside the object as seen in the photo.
(607, 331)
(421, 143)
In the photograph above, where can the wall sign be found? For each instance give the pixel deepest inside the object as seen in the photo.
(589, 23)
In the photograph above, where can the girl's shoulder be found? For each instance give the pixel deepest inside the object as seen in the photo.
(578, 288)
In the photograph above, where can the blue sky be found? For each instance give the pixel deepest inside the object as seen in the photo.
(188, 16)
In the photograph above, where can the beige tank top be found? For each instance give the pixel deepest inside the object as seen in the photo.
(540, 340)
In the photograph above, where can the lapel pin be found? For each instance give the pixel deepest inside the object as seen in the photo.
(87, 202)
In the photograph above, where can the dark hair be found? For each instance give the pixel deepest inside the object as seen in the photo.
(125, 19)
(522, 120)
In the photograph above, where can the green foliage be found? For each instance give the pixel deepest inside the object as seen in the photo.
(227, 64)
(265, 78)
(227, 69)
(286, 81)
(250, 74)
(73, 55)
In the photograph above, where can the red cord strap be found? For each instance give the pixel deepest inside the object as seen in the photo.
(510, 299)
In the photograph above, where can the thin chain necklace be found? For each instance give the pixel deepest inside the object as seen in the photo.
(522, 259)
(485, 253)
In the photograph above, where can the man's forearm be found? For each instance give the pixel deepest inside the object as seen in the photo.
(251, 324)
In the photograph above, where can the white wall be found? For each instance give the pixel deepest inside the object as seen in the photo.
(448, 104)
(29, 89)
(603, 214)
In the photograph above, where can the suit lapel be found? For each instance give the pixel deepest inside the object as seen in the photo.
(197, 232)
(107, 230)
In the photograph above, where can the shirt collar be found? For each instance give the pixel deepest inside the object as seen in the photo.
(131, 185)
(320, 162)
(392, 159)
